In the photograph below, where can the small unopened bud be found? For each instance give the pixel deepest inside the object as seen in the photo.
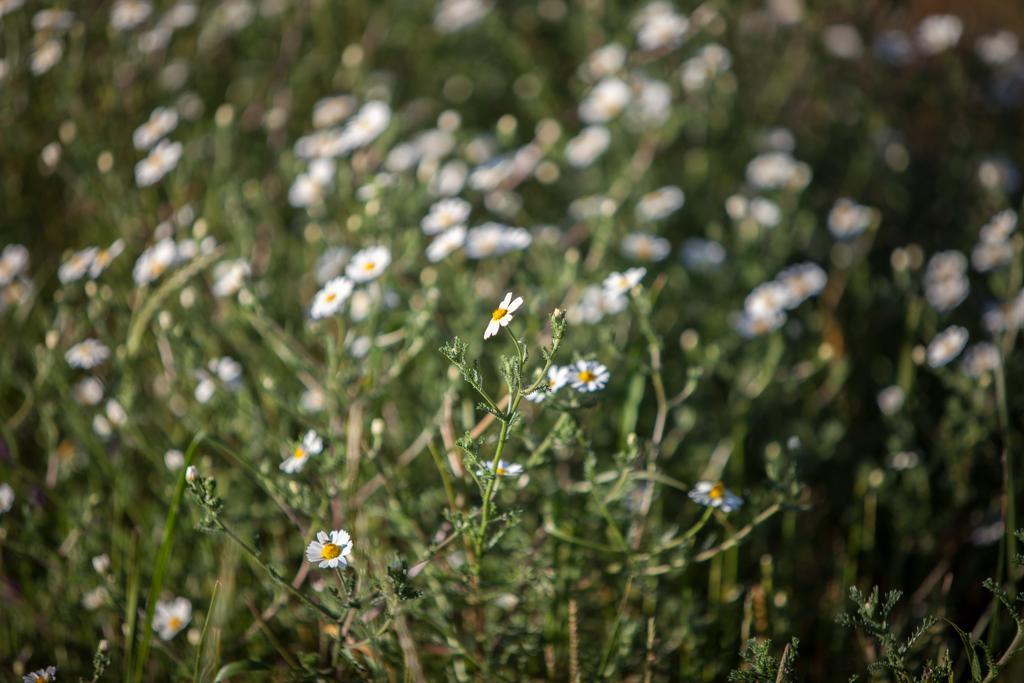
(104, 645)
(191, 474)
(377, 427)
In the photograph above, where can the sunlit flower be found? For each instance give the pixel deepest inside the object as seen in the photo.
(129, 14)
(77, 265)
(368, 264)
(171, 617)
(620, 283)
(310, 445)
(939, 32)
(708, 63)
(764, 212)
(582, 150)
(161, 160)
(715, 495)
(766, 300)
(87, 354)
(229, 276)
(605, 101)
(329, 300)
(981, 358)
(446, 214)
(605, 61)
(88, 391)
(372, 120)
(801, 281)
(660, 203)
(502, 315)
(658, 26)
(588, 375)
(41, 675)
(455, 15)
(104, 257)
(643, 247)
(755, 326)
(504, 469)
(155, 261)
(330, 551)
(46, 56)
(945, 280)
(947, 345)
(848, 219)
(777, 171)
(558, 377)
(891, 399)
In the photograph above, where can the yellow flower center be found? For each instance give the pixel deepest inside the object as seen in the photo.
(501, 471)
(586, 376)
(299, 452)
(369, 266)
(717, 491)
(174, 624)
(331, 297)
(330, 551)
(499, 313)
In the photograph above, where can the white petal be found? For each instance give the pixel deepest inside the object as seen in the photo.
(514, 306)
(507, 301)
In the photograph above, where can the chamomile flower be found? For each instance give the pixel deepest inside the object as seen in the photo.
(87, 354)
(171, 617)
(504, 469)
(445, 215)
(939, 32)
(502, 315)
(660, 203)
(605, 101)
(495, 239)
(588, 376)
(372, 120)
(368, 264)
(777, 171)
(229, 276)
(445, 243)
(715, 495)
(155, 261)
(13, 262)
(161, 160)
(643, 247)
(618, 284)
(330, 111)
(584, 149)
(330, 551)
(310, 445)
(801, 281)
(847, 219)
(161, 121)
(558, 377)
(329, 300)
(947, 345)
(41, 675)
(6, 497)
(766, 300)
(77, 265)
(104, 257)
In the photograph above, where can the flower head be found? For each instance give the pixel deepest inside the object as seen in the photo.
(588, 375)
(502, 315)
(87, 354)
(558, 377)
(329, 300)
(618, 284)
(504, 469)
(295, 460)
(947, 345)
(445, 215)
(161, 160)
(330, 551)
(715, 495)
(171, 617)
(41, 675)
(368, 264)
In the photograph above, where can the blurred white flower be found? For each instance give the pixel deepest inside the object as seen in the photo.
(847, 219)
(715, 495)
(330, 551)
(842, 41)
(365, 127)
(502, 315)
(660, 203)
(161, 160)
(997, 48)
(658, 26)
(606, 101)
(129, 14)
(495, 239)
(446, 243)
(766, 300)
(504, 469)
(52, 20)
(708, 63)
(330, 111)
(801, 281)
(999, 227)
(368, 264)
(104, 257)
(604, 61)
(13, 262)
(702, 254)
(329, 300)
(939, 32)
(174, 459)
(643, 247)
(618, 284)
(594, 304)
(301, 452)
(88, 391)
(891, 399)
(155, 261)
(77, 265)
(456, 15)
(170, 617)
(8, 6)
(46, 56)
(777, 171)
(558, 377)
(87, 354)
(446, 214)
(583, 150)
(945, 280)
(229, 276)
(588, 376)
(988, 256)
(946, 345)
(752, 326)
(6, 498)
(982, 358)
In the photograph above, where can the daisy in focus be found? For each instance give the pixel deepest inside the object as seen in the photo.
(41, 675)
(368, 264)
(588, 375)
(310, 445)
(171, 617)
(558, 377)
(330, 551)
(715, 495)
(329, 300)
(87, 354)
(505, 469)
(502, 315)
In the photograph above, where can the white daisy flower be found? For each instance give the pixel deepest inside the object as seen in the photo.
(8, 6)
(128, 14)
(752, 326)
(947, 345)
(451, 16)
(658, 26)
(588, 375)
(329, 300)
(41, 675)
(171, 617)
(982, 358)
(584, 149)
(842, 41)
(643, 247)
(939, 32)
(155, 261)
(715, 495)
(605, 101)
(13, 262)
(445, 243)
(764, 212)
(495, 239)
(330, 111)
(310, 445)
(330, 551)
(765, 300)
(618, 284)
(988, 256)
(174, 459)
(558, 377)
(502, 315)
(104, 257)
(161, 160)
(999, 227)
(997, 48)
(87, 354)
(801, 281)
(660, 203)
(372, 120)
(6, 497)
(505, 469)
(368, 264)
(77, 265)
(847, 219)
(945, 280)
(229, 277)
(88, 392)
(777, 171)
(891, 400)
(702, 254)
(161, 122)
(604, 61)
(45, 57)
(446, 214)
(595, 303)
